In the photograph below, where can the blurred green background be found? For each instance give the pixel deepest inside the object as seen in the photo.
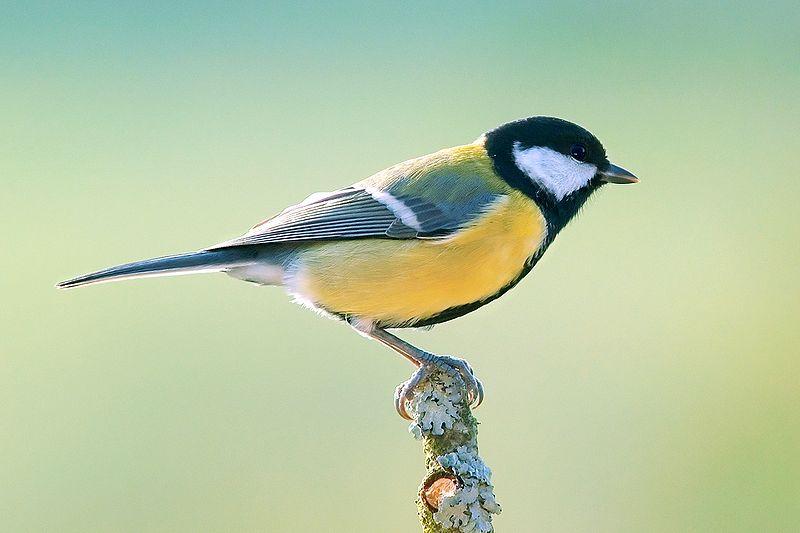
(645, 378)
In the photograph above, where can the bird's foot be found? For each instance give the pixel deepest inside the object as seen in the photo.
(451, 365)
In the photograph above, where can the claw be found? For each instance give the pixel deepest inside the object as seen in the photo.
(426, 363)
(401, 400)
(404, 393)
(473, 385)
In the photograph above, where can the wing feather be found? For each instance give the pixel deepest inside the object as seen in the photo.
(426, 198)
(347, 213)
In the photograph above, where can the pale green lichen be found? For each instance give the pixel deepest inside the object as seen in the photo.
(444, 422)
(472, 506)
(435, 407)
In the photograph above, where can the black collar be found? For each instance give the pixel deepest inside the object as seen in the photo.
(557, 213)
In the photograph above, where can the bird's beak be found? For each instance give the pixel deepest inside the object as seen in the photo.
(615, 174)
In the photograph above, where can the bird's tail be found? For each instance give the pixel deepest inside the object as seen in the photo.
(172, 265)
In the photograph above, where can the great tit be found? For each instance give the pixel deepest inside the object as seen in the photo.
(422, 242)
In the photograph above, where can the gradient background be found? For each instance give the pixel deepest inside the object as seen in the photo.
(645, 378)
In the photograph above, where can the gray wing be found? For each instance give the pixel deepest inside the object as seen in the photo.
(354, 212)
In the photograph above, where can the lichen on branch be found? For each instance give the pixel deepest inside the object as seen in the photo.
(457, 493)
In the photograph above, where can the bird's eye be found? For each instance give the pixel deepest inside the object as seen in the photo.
(578, 151)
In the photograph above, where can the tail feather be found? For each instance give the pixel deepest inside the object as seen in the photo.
(188, 263)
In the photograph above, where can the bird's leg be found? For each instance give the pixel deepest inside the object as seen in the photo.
(426, 363)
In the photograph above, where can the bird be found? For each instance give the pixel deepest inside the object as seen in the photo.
(422, 242)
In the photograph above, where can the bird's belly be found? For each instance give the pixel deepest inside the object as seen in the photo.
(399, 282)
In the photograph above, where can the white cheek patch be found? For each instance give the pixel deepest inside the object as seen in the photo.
(556, 172)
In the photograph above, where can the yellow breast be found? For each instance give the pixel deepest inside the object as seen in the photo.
(403, 281)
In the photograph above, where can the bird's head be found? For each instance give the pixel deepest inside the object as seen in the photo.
(552, 160)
